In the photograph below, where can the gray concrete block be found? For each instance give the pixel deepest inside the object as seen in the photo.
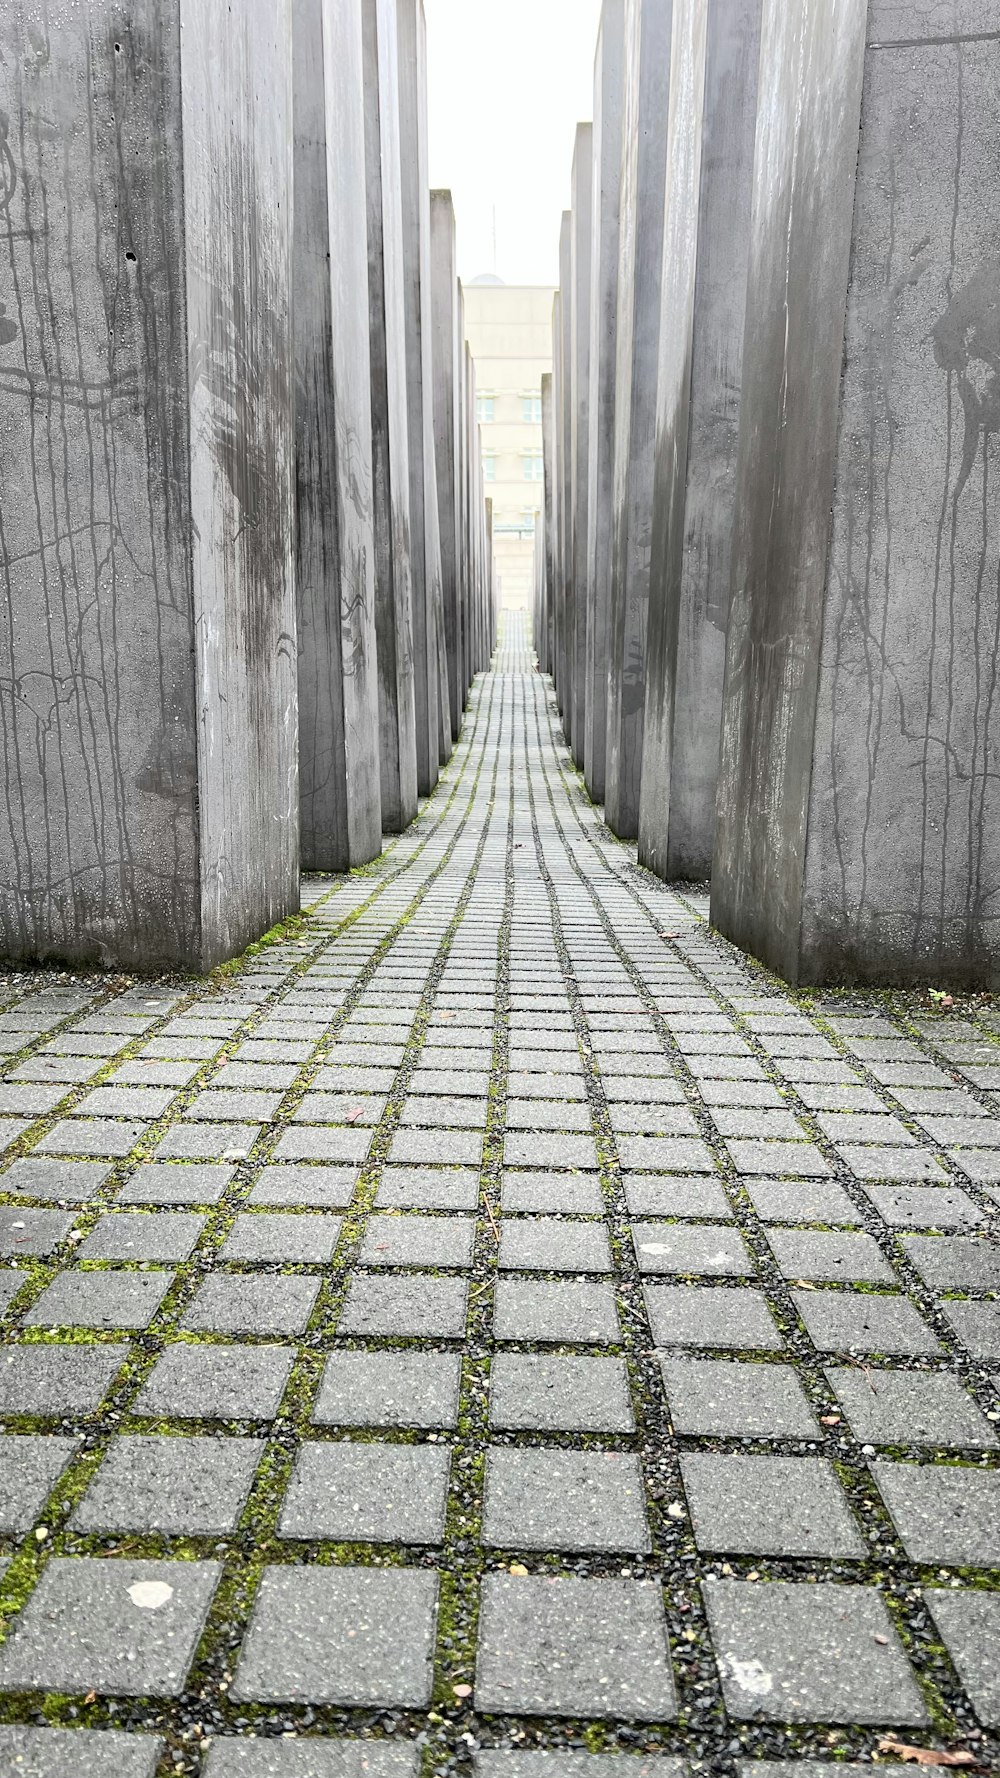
(176, 1486)
(564, 1500)
(367, 1493)
(389, 1389)
(390, 445)
(448, 356)
(948, 1516)
(568, 1647)
(127, 1629)
(87, 1753)
(29, 1469)
(769, 1506)
(340, 798)
(581, 231)
(541, 1393)
(643, 175)
(969, 1623)
(153, 743)
(911, 1408)
(773, 1644)
(849, 845)
(352, 1636)
(425, 552)
(312, 1757)
(206, 1382)
(605, 201)
(713, 89)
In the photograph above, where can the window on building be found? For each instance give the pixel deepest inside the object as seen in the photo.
(531, 410)
(531, 466)
(484, 408)
(489, 467)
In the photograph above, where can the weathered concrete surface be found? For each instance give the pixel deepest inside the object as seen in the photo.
(147, 654)
(608, 101)
(564, 420)
(713, 93)
(425, 561)
(546, 653)
(448, 347)
(859, 831)
(390, 463)
(340, 802)
(579, 327)
(644, 155)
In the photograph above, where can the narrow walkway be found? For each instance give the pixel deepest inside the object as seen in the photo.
(494, 1319)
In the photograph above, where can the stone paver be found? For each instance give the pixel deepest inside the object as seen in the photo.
(576, 1236)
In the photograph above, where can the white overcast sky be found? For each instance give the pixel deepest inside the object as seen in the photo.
(508, 81)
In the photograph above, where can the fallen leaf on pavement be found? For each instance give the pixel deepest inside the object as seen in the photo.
(926, 1756)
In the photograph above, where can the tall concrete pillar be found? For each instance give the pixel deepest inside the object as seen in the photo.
(547, 657)
(426, 564)
(713, 100)
(448, 344)
(564, 388)
(859, 796)
(605, 199)
(147, 646)
(643, 173)
(397, 733)
(340, 798)
(580, 245)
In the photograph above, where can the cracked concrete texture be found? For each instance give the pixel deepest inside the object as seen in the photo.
(679, 1510)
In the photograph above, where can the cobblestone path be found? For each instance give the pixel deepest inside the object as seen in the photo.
(495, 1321)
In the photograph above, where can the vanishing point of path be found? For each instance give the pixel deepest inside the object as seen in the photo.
(495, 1319)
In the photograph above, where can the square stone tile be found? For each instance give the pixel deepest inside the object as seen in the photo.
(545, 1150)
(969, 1625)
(982, 1164)
(11, 1280)
(868, 1161)
(977, 1326)
(536, 1392)
(417, 1241)
(29, 1470)
(323, 1142)
(216, 1383)
(648, 1195)
(164, 1182)
(564, 1500)
(747, 1123)
(91, 1136)
(436, 1147)
(671, 1154)
(691, 1248)
(577, 1194)
(801, 1160)
(944, 1514)
(826, 1256)
(51, 1379)
(542, 1114)
(307, 1187)
(127, 1235)
(552, 1244)
(56, 1182)
(793, 1651)
(120, 1628)
(389, 1389)
(32, 1233)
(270, 1305)
(125, 1102)
(422, 1308)
(801, 1200)
(955, 1262)
(350, 1636)
(550, 1646)
(100, 1299)
(194, 1487)
(925, 1207)
(859, 1321)
(367, 1493)
(282, 1238)
(769, 1506)
(428, 1188)
(77, 1753)
(581, 1313)
(722, 1398)
(910, 1408)
(695, 1315)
